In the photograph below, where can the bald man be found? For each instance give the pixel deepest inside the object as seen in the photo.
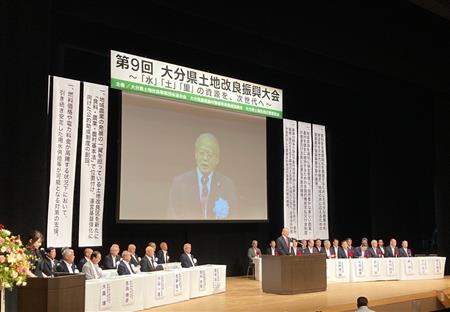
(203, 193)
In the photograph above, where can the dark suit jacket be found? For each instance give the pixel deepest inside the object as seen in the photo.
(375, 253)
(359, 253)
(402, 253)
(81, 263)
(307, 252)
(146, 265)
(62, 267)
(269, 251)
(135, 261)
(122, 269)
(185, 262)
(160, 256)
(298, 253)
(108, 262)
(184, 197)
(46, 266)
(388, 252)
(282, 248)
(383, 251)
(341, 253)
(322, 249)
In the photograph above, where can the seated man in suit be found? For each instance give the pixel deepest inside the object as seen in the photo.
(328, 250)
(344, 252)
(272, 250)
(381, 247)
(91, 267)
(148, 262)
(405, 251)
(66, 265)
(87, 255)
(163, 253)
(310, 248)
(125, 267)
(303, 245)
(134, 257)
(49, 263)
(349, 243)
(187, 259)
(284, 243)
(111, 261)
(203, 193)
(374, 251)
(361, 252)
(295, 250)
(253, 251)
(392, 249)
(318, 246)
(335, 247)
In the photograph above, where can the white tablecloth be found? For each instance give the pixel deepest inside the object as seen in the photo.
(146, 290)
(377, 269)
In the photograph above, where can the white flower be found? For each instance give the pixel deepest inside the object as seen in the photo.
(24, 284)
(14, 274)
(6, 232)
(3, 249)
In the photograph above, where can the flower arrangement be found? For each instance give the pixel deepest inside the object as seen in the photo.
(14, 261)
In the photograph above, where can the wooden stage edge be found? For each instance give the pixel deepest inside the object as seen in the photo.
(244, 294)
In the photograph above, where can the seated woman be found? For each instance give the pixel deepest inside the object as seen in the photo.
(35, 240)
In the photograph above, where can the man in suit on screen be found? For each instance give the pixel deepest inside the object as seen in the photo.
(284, 243)
(203, 193)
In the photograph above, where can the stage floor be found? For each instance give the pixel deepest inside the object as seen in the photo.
(244, 294)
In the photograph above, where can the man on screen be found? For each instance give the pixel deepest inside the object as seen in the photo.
(203, 193)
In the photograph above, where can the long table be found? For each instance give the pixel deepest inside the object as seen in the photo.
(146, 290)
(377, 269)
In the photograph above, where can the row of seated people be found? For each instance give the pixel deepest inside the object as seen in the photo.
(333, 250)
(128, 262)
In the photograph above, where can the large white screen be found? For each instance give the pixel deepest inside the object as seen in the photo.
(186, 162)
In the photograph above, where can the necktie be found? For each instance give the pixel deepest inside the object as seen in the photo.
(114, 261)
(151, 262)
(204, 195)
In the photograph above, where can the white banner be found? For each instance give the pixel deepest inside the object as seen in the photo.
(143, 75)
(290, 176)
(93, 163)
(305, 197)
(320, 193)
(66, 101)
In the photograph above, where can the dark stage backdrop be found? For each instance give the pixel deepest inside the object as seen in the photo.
(387, 140)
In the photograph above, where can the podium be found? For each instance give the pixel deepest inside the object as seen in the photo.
(290, 275)
(62, 293)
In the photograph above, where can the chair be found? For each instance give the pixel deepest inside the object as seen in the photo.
(251, 266)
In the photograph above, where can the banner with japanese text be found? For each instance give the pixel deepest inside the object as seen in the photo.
(93, 163)
(143, 75)
(320, 190)
(290, 176)
(305, 197)
(65, 109)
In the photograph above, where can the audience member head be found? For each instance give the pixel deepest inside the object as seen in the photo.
(361, 302)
